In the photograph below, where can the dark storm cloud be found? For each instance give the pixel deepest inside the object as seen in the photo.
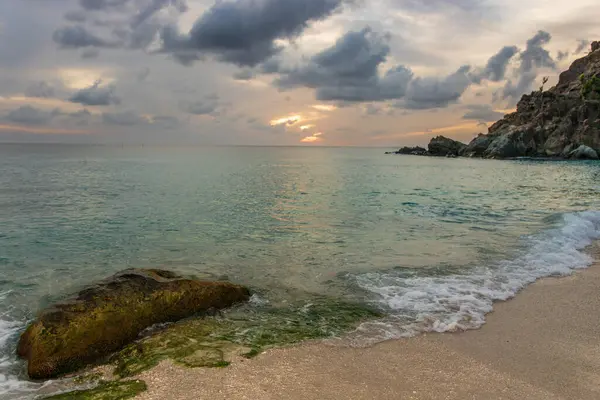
(96, 95)
(129, 24)
(532, 59)
(40, 89)
(349, 71)
(535, 55)
(29, 115)
(482, 112)
(74, 37)
(124, 118)
(245, 32)
(434, 92)
(495, 69)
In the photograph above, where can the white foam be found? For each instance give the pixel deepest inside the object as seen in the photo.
(461, 301)
(11, 386)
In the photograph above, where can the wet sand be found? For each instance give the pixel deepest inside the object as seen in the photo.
(544, 344)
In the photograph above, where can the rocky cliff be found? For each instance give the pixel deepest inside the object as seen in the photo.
(561, 122)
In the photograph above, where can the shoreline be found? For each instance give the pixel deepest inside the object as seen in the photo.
(542, 344)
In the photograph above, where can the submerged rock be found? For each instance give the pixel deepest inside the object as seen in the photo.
(105, 317)
(111, 390)
(442, 146)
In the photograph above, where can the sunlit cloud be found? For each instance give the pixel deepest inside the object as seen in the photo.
(74, 78)
(289, 120)
(324, 107)
(306, 127)
(313, 138)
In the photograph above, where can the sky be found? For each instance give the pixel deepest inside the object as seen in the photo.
(277, 72)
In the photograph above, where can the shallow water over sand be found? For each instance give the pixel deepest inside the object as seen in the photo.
(430, 242)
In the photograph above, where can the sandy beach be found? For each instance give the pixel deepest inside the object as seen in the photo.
(544, 344)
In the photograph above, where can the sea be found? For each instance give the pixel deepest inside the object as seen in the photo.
(431, 243)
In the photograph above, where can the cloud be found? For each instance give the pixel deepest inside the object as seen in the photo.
(76, 16)
(89, 54)
(166, 121)
(533, 58)
(434, 92)
(143, 74)
(40, 89)
(77, 36)
(482, 113)
(495, 69)
(562, 55)
(245, 32)
(286, 121)
(29, 115)
(124, 118)
(153, 7)
(97, 5)
(244, 75)
(96, 95)
(435, 5)
(201, 107)
(80, 118)
(582, 45)
(349, 71)
(316, 137)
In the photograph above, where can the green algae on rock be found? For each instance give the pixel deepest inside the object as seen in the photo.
(103, 318)
(214, 342)
(119, 390)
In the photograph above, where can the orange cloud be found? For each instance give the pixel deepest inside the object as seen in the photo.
(324, 107)
(289, 120)
(41, 131)
(313, 139)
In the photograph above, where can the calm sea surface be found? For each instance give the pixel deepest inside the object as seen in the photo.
(431, 242)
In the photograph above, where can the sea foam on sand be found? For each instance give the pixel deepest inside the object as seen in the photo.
(460, 301)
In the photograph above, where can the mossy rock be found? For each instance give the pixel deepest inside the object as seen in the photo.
(215, 342)
(102, 319)
(120, 390)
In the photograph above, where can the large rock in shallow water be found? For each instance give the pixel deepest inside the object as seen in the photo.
(103, 318)
(442, 146)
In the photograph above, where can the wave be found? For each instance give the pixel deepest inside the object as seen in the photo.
(11, 386)
(461, 301)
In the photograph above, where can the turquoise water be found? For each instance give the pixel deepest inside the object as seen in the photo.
(429, 241)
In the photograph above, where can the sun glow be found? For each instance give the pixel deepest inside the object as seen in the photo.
(289, 120)
(324, 107)
(314, 138)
